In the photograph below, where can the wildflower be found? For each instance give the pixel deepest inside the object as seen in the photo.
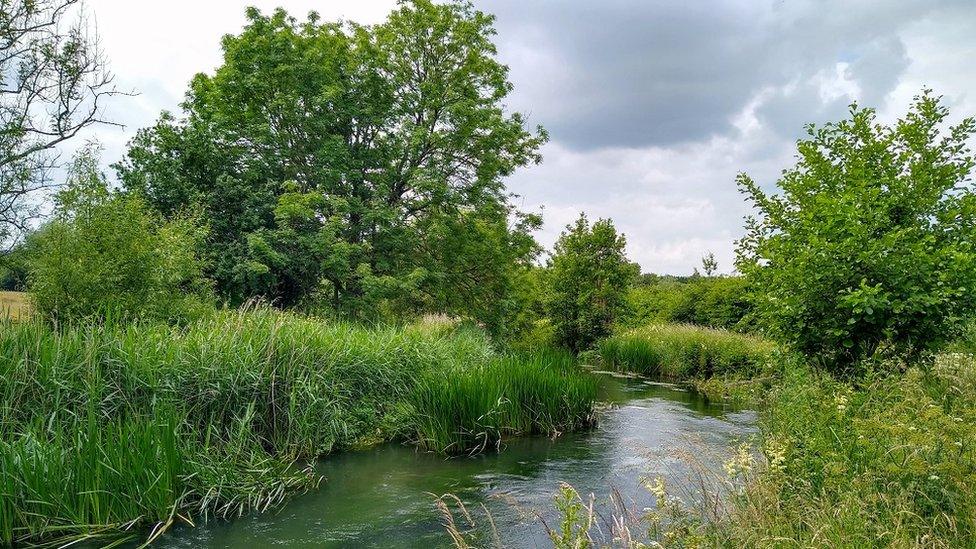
(776, 454)
(841, 401)
(657, 488)
(740, 462)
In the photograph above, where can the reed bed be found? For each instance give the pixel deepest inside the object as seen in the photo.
(111, 427)
(685, 351)
(476, 408)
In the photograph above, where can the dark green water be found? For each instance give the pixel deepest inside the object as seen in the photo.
(382, 497)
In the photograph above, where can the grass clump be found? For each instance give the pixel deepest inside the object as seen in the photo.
(685, 351)
(475, 408)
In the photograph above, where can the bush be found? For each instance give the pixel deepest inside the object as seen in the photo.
(716, 302)
(589, 274)
(106, 254)
(870, 245)
(685, 351)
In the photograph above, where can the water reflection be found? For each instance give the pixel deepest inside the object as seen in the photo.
(382, 497)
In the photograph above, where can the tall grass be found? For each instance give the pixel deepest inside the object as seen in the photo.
(108, 426)
(888, 461)
(684, 350)
(475, 408)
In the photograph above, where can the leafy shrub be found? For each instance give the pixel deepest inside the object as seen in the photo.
(685, 351)
(870, 245)
(589, 274)
(106, 254)
(717, 302)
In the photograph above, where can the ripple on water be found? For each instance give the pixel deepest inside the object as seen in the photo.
(381, 497)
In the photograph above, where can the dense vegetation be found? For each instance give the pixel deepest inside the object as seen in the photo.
(866, 266)
(346, 174)
(222, 413)
(685, 351)
(105, 254)
(587, 275)
(869, 247)
(716, 302)
(357, 166)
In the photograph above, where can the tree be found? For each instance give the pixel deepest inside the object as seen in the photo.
(330, 158)
(709, 265)
(106, 254)
(53, 83)
(589, 276)
(870, 244)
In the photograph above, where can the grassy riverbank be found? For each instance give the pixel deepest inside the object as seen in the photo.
(887, 462)
(887, 459)
(106, 427)
(685, 351)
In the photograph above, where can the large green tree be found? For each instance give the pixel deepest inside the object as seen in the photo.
(332, 157)
(589, 275)
(870, 242)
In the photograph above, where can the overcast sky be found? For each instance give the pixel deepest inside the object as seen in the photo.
(652, 106)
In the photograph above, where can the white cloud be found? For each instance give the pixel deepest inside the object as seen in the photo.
(704, 93)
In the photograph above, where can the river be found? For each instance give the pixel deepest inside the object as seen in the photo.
(383, 497)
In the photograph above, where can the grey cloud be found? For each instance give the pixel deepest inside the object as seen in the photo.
(633, 74)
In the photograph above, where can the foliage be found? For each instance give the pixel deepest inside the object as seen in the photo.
(106, 254)
(14, 266)
(53, 84)
(224, 411)
(589, 274)
(716, 302)
(685, 351)
(709, 264)
(870, 244)
(473, 409)
(890, 463)
(359, 164)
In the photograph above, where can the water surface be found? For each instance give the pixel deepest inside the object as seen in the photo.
(383, 497)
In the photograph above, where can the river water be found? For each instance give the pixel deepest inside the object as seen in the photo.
(384, 497)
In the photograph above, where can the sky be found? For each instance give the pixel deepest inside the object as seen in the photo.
(652, 106)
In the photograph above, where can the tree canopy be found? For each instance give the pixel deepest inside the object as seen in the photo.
(346, 160)
(870, 243)
(588, 280)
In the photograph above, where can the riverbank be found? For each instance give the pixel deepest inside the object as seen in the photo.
(382, 497)
(110, 428)
(886, 459)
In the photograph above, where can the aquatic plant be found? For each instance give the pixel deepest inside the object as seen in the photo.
(106, 427)
(684, 350)
(474, 408)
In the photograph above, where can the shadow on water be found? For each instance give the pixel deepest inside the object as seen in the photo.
(381, 497)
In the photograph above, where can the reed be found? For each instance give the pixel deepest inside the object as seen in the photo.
(106, 427)
(476, 408)
(685, 351)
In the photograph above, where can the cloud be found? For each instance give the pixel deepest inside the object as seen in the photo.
(652, 106)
